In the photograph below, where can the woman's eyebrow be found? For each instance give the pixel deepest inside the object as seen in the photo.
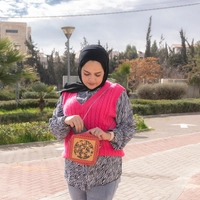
(98, 72)
(86, 71)
(90, 72)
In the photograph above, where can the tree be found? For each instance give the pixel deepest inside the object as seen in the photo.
(130, 52)
(59, 71)
(154, 50)
(85, 43)
(10, 58)
(113, 63)
(42, 91)
(33, 60)
(148, 40)
(121, 74)
(191, 49)
(194, 74)
(193, 67)
(197, 49)
(73, 67)
(183, 49)
(163, 52)
(145, 70)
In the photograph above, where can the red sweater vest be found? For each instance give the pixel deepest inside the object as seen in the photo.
(98, 111)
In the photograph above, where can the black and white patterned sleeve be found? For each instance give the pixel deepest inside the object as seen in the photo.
(125, 128)
(56, 123)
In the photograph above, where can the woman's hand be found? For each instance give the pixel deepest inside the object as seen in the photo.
(75, 121)
(101, 134)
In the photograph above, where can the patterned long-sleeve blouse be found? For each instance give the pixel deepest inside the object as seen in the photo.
(107, 168)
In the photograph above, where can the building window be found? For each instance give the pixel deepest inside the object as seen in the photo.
(11, 31)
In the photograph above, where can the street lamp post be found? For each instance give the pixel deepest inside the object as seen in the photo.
(17, 47)
(68, 30)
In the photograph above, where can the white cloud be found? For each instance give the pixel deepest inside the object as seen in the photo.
(116, 30)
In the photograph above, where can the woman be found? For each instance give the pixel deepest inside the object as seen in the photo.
(104, 109)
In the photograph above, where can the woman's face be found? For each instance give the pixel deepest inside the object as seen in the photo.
(92, 74)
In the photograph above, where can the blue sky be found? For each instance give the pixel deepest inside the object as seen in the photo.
(116, 23)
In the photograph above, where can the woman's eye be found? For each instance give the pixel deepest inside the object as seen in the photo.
(86, 74)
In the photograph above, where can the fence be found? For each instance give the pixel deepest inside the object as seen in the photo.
(192, 92)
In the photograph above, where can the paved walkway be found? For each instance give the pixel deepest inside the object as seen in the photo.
(162, 164)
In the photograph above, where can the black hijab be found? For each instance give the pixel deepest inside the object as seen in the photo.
(90, 52)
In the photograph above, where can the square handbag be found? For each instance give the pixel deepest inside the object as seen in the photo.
(84, 148)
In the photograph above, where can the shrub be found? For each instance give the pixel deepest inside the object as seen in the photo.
(7, 95)
(162, 91)
(8, 105)
(35, 95)
(146, 91)
(139, 122)
(52, 95)
(30, 95)
(171, 90)
(25, 132)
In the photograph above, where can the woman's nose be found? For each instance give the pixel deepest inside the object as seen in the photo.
(91, 78)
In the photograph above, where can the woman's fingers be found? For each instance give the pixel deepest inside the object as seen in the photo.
(78, 124)
(75, 121)
(101, 134)
(97, 132)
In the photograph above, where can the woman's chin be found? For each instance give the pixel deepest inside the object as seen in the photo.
(91, 87)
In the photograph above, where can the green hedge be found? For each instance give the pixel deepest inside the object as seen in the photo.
(154, 107)
(140, 107)
(35, 95)
(25, 132)
(25, 104)
(30, 125)
(25, 116)
(14, 133)
(9, 94)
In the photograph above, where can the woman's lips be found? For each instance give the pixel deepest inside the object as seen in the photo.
(91, 84)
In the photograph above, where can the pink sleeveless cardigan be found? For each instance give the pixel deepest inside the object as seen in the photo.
(98, 111)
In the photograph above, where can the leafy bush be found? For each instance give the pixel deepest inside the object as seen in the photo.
(25, 132)
(53, 95)
(30, 95)
(35, 95)
(162, 91)
(7, 95)
(171, 90)
(146, 91)
(139, 122)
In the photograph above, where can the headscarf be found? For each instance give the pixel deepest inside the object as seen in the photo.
(91, 52)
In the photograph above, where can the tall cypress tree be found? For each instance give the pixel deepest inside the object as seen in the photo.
(34, 59)
(148, 40)
(183, 49)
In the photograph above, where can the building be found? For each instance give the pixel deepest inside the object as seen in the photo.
(17, 32)
(140, 54)
(176, 48)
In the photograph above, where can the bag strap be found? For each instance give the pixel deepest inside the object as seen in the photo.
(95, 102)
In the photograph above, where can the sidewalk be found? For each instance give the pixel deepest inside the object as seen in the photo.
(162, 164)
